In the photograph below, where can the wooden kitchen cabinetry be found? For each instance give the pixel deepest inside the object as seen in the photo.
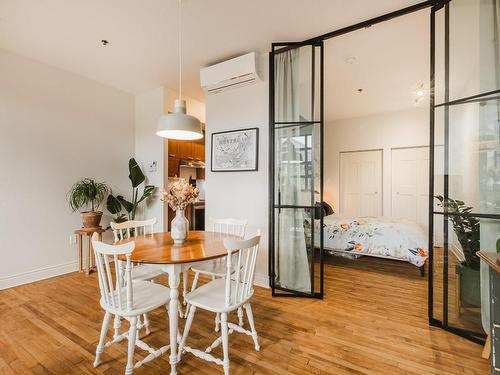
(199, 151)
(185, 149)
(189, 150)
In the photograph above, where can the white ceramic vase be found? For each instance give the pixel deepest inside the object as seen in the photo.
(179, 227)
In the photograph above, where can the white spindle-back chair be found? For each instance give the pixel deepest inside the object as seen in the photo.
(216, 268)
(123, 298)
(224, 296)
(132, 228)
(146, 272)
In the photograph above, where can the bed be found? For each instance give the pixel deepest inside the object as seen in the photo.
(382, 237)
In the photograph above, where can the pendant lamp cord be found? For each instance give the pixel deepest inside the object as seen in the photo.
(180, 50)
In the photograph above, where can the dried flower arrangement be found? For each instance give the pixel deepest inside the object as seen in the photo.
(179, 194)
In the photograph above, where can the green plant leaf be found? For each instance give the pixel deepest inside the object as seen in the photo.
(148, 191)
(113, 205)
(135, 173)
(87, 193)
(120, 218)
(125, 203)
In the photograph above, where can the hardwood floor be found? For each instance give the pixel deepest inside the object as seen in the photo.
(373, 320)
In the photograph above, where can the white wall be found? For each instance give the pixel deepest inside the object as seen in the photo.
(382, 131)
(149, 147)
(241, 195)
(56, 127)
(149, 106)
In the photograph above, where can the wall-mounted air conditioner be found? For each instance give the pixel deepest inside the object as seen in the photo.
(237, 72)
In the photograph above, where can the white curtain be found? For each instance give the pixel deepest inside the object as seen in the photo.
(292, 265)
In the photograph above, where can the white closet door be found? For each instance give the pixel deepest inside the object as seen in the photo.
(410, 184)
(361, 183)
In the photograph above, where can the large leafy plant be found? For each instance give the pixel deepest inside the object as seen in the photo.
(87, 193)
(466, 228)
(116, 204)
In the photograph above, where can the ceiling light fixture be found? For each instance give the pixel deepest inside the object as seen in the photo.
(179, 125)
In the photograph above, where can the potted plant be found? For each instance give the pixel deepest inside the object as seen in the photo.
(115, 204)
(178, 195)
(87, 193)
(467, 230)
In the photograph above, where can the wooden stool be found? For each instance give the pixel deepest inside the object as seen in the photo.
(88, 232)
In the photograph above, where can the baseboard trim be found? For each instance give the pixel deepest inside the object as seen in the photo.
(37, 275)
(261, 280)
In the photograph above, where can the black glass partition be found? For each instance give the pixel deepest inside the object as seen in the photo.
(296, 169)
(464, 202)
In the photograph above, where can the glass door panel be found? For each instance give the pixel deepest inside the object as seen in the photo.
(296, 169)
(465, 146)
(473, 47)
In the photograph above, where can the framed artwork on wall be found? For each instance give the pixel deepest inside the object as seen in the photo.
(235, 150)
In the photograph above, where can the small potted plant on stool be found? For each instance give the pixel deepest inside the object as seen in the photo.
(87, 193)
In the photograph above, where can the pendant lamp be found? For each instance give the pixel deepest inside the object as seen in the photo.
(179, 125)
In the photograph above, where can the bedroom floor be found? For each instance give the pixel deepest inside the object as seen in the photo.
(373, 321)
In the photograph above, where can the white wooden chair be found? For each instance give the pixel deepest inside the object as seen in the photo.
(145, 272)
(226, 295)
(134, 228)
(125, 298)
(216, 268)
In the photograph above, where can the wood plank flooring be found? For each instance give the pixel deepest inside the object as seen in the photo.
(373, 320)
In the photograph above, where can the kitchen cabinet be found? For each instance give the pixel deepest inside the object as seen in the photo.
(173, 166)
(173, 148)
(200, 173)
(199, 151)
(185, 150)
(188, 150)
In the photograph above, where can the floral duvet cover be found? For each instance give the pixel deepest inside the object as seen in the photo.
(380, 236)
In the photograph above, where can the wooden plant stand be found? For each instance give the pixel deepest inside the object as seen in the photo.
(89, 258)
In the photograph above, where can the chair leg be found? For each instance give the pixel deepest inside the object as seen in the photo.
(116, 326)
(217, 322)
(146, 324)
(102, 339)
(187, 327)
(132, 332)
(225, 343)
(193, 287)
(184, 286)
(240, 316)
(248, 308)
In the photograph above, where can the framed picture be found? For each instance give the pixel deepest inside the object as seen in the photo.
(235, 150)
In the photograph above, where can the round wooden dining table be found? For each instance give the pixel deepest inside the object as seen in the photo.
(159, 249)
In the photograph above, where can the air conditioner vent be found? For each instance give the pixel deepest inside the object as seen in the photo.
(237, 72)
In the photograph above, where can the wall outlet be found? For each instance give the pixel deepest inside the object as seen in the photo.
(153, 166)
(72, 239)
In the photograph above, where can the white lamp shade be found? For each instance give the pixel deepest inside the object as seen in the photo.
(179, 125)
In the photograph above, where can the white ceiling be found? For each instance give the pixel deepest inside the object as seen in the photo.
(391, 62)
(142, 53)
